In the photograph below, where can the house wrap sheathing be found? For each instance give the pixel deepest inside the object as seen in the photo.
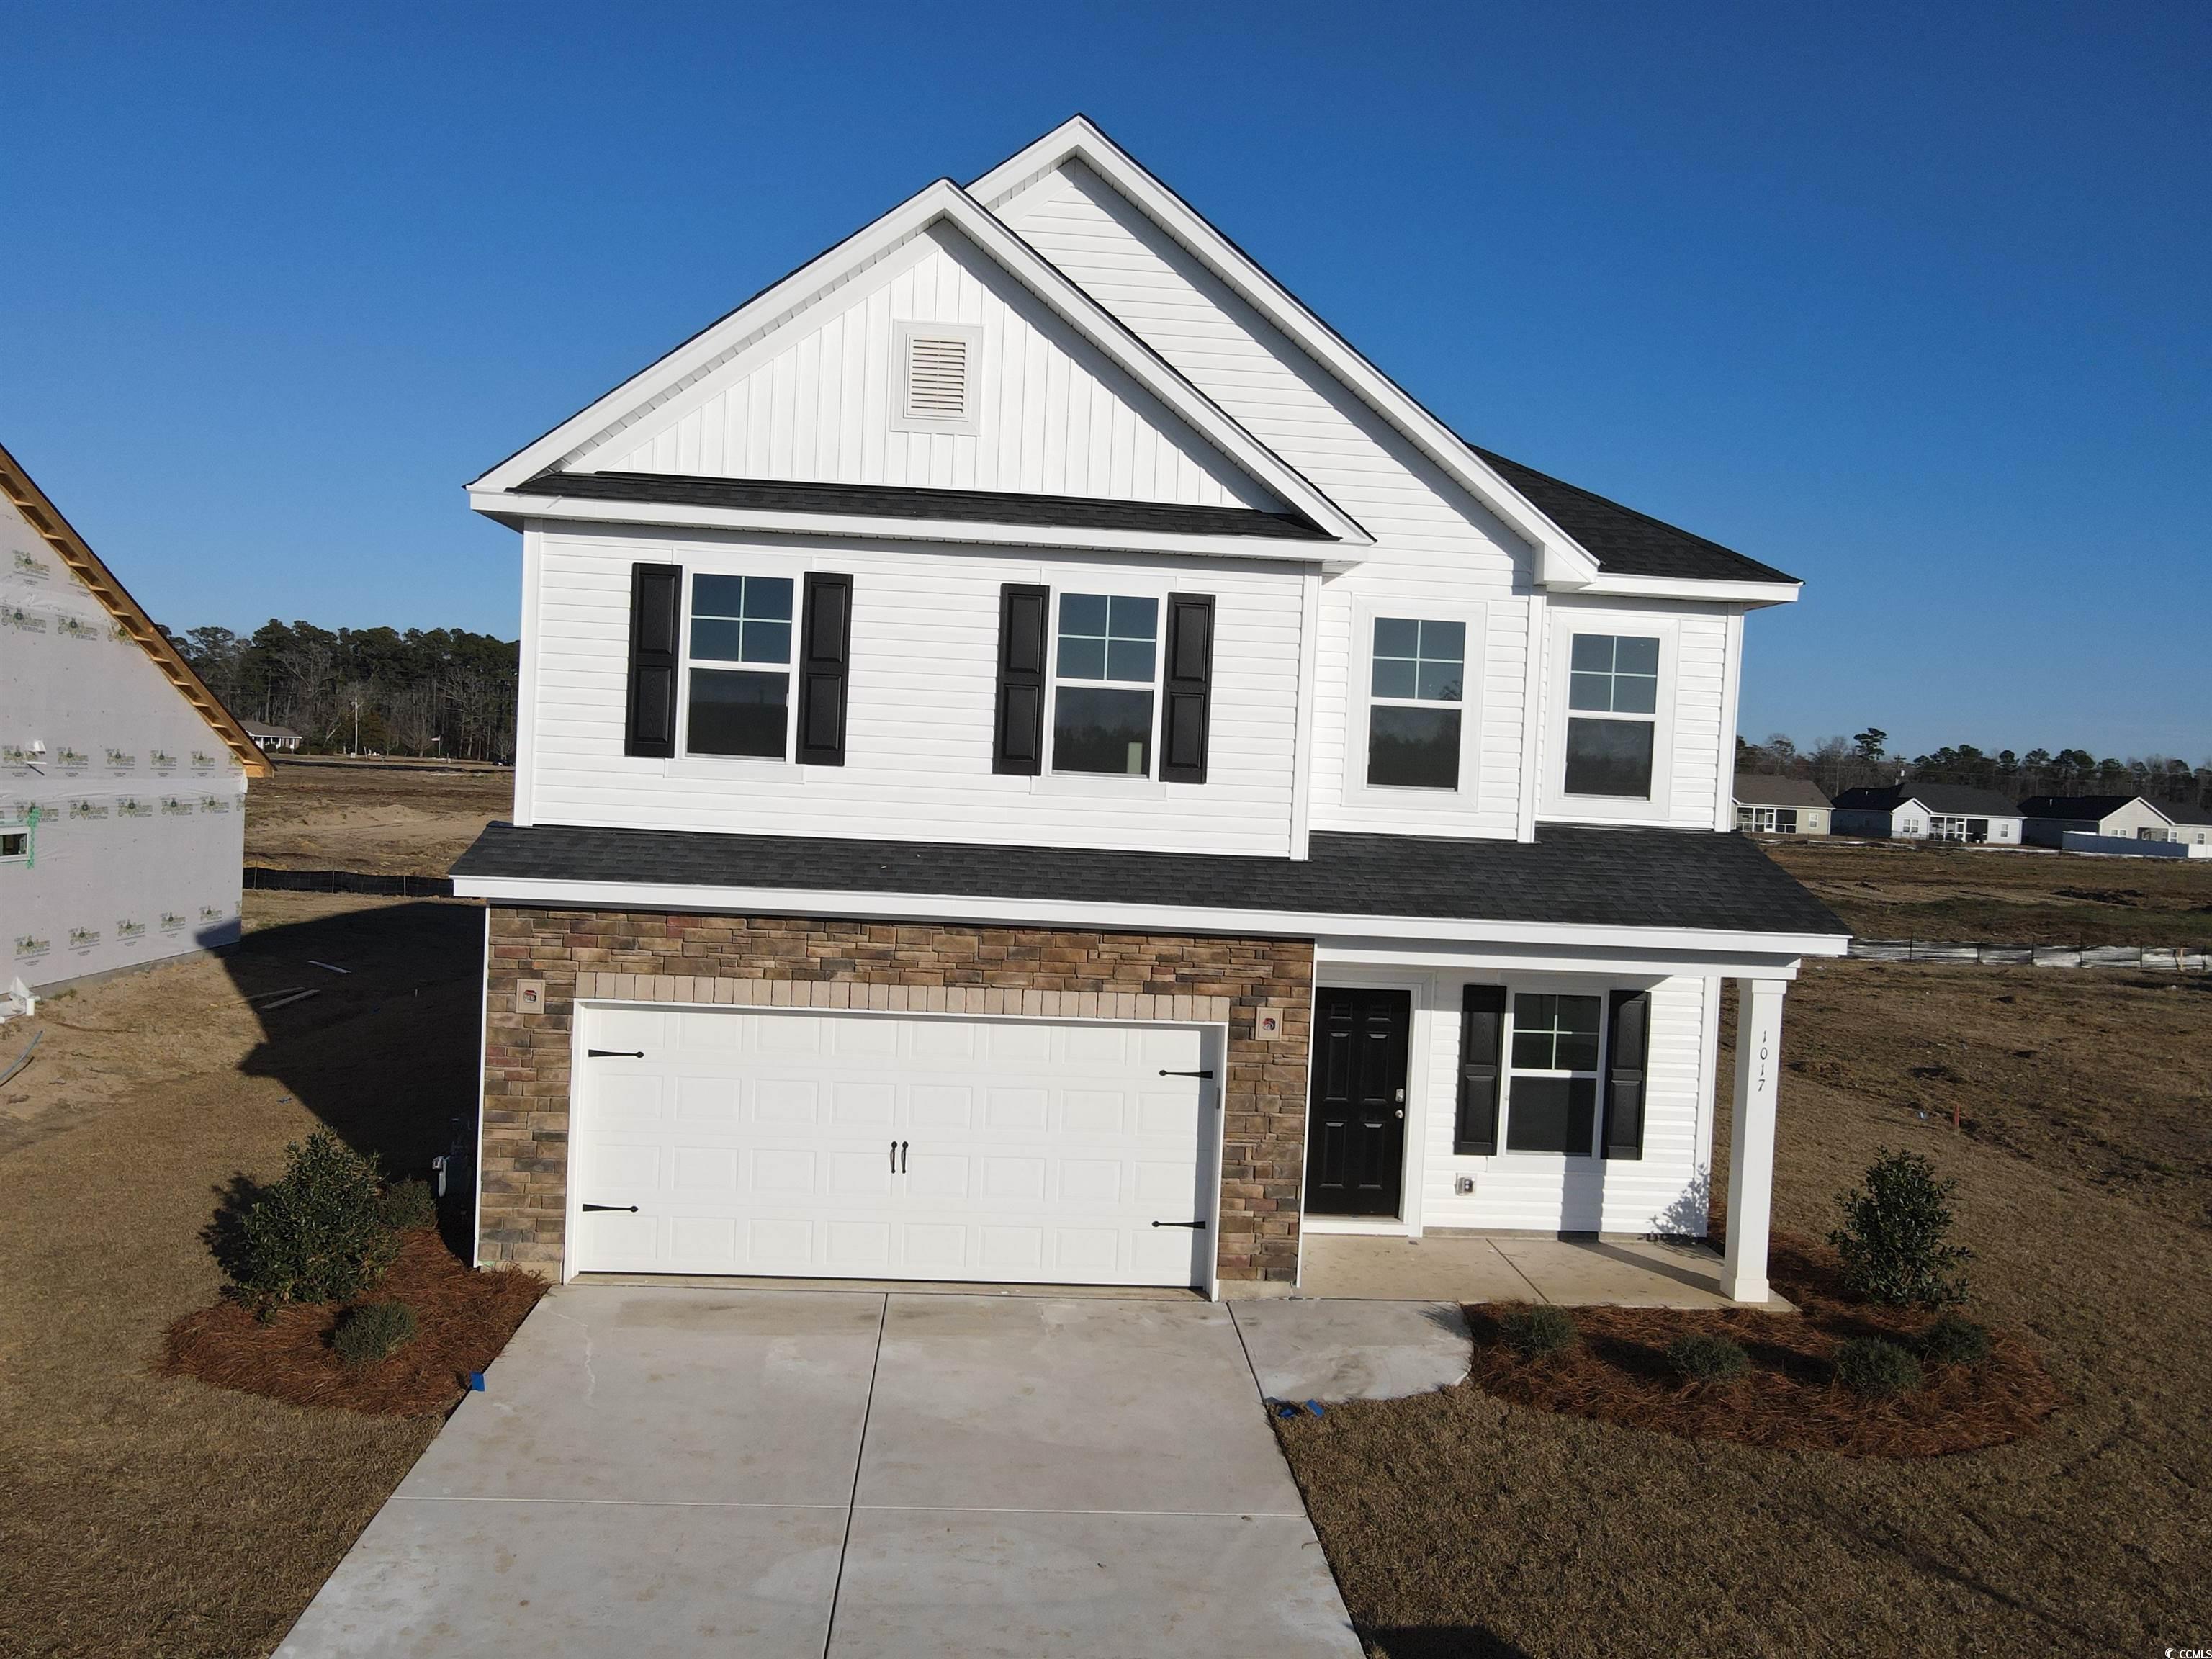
(122, 779)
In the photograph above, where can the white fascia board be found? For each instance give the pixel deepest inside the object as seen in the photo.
(1751, 595)
(941, 201)
(1343, 953)
(513, 511)
(1562, 561)
(1128, 918)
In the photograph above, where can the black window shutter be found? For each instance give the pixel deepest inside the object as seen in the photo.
(656, 631)
(1627, 1049)
(1481, 1054)
(1187, 687)
(1018, 740)
(826, 648)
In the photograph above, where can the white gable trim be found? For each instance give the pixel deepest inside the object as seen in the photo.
(941, 201)
(1561, 561)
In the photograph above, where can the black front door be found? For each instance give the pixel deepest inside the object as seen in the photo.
(1356, 1145)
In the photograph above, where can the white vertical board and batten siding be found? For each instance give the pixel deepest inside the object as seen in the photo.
(818, 400)
(1661, 1192)
(922, 692)
(1435, 544)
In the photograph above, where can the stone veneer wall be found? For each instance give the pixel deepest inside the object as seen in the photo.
(642, 956)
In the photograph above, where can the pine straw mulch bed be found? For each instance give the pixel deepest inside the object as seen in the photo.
(1618, 1373)
(463, 1319)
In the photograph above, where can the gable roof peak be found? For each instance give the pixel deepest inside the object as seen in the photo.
(942, 201)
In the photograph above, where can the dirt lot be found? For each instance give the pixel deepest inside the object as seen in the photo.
(147, 1514)
(397, 818)
(2005, 896)
(1459, 1525)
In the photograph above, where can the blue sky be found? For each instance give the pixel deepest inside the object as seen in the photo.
(1908, 300)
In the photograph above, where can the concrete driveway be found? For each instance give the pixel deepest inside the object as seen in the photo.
(793, 1473)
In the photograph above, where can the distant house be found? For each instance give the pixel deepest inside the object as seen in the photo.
(1780, 806)
(2130, 818)
(1928, 811)
(271, 738)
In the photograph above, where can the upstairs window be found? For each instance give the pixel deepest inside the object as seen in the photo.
(1613, 692)
(1416, 704)
(741, 709)
(1105, 684)
(1551, 1097)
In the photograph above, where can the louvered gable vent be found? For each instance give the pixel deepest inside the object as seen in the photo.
(936, 377)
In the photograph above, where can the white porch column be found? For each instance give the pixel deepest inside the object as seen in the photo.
(1751, 1147)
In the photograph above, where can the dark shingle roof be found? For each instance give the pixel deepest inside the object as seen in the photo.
(1935, 797)
(1569, 874)
(1625, 542)
(2072, 806)
(1763, 789)
(888, 501)
(2100, 806)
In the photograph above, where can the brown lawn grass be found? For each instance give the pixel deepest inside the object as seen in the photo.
(1458, 1523)
(2002, 895)
(152, 1515)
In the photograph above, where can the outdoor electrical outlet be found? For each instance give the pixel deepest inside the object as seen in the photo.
(1464, 1185)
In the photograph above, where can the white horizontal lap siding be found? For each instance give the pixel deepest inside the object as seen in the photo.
(1516, 1191)
(923, 694)
(1434, 543)
(818, 401)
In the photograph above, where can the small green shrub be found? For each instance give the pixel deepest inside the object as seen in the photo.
(372, 1332)
(1894, 1241)
(1874, 1368)
(1707, 1357)
(408, 1204)
(1953, 1340)
(1533, 1331)
(319, 1234)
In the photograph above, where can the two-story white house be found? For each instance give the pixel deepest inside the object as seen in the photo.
(1040, 763)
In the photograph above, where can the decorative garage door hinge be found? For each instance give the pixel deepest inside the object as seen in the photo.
(1208, 1075)
(614, 1053)
(628, 1209)
(1196, 1226)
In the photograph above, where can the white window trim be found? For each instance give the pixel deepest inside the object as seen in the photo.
(1403, 798)
(1602, 990)
(969, 423)
(739, 765)
(1658, 807)
(1114, 783)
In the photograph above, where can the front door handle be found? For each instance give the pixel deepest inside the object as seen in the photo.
(628, 1209)
(1401, 1111)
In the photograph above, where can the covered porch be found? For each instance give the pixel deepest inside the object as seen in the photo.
(1478, 1267)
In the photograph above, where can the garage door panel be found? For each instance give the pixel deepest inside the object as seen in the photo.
(863, 1106)
(941, 1106)
(760, 1141)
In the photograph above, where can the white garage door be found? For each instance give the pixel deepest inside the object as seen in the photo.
(859, 1145)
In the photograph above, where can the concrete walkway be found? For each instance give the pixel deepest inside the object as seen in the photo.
(766, 1473)
(1572, 1272)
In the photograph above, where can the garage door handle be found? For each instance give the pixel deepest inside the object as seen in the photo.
(1196, 1226)
(614, 1053)
(1208, 1076)
(628, 1209)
